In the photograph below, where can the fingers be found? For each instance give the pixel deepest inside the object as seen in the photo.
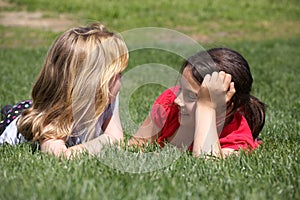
(214, 77)
(222, 75)
(230, 93)
(227, 81)
(220, 78)
(217, 89)
(207, 79)
(228, 85)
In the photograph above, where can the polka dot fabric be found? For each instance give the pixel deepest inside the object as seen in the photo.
(9, 113)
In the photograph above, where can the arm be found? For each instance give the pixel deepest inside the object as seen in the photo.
(112, 133)
(160, 117)
(147, 132)
(214, 92)
(57, 147)
(206, 137)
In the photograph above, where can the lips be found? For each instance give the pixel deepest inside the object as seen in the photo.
(183, 114)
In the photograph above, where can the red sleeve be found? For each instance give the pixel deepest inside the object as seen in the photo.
(164, 114)
(237, 135)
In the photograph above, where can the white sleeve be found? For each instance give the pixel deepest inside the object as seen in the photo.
(10, 134)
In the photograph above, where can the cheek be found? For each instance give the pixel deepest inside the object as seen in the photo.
(188, 120)
(116, 87)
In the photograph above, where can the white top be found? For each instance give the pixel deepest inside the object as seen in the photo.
(11, 136)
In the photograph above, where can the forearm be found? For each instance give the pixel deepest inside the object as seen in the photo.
(57, 147)
(95, 146)
(215, 92)
(206, 140)
(147, 133)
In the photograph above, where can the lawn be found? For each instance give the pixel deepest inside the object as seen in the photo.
(266, 32)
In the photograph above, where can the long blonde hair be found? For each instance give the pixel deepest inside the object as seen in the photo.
(72, 89)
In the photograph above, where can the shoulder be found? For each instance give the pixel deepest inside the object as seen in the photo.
(164, 107)
(10, 134)
(168, 96)
(237, 135)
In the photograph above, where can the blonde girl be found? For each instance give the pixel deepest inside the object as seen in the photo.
(75, 97)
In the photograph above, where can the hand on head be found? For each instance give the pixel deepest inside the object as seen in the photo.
(216, 89)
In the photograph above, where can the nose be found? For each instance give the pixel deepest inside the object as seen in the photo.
(179, 100)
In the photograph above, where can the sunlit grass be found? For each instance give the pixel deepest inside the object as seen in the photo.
(265, 32)
(205, 21)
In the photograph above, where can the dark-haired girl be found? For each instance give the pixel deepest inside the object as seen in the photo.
(211, 111)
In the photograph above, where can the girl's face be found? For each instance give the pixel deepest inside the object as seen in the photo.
(115, 87)
(187, 98)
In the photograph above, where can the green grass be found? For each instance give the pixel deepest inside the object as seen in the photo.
(206, 21)
(19, 68)
(266, 33)
(25, 38)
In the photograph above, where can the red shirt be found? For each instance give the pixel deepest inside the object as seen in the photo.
(165, 114)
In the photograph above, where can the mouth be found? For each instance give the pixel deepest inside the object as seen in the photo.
(183, 114)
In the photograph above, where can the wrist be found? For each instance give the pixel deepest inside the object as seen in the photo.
(206, 105)
(74, 151)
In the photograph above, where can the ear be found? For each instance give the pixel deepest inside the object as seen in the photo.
(230, 107)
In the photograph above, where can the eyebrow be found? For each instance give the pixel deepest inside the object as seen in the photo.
(190, 91)
(186, 89)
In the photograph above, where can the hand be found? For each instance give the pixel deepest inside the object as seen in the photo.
(216, 90)
(57, 147)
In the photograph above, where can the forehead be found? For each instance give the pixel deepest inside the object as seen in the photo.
(187, 80)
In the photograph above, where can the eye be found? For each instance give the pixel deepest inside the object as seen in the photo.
(189, 96)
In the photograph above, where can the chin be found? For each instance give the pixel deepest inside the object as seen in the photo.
(111, 99)
(185, 120)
